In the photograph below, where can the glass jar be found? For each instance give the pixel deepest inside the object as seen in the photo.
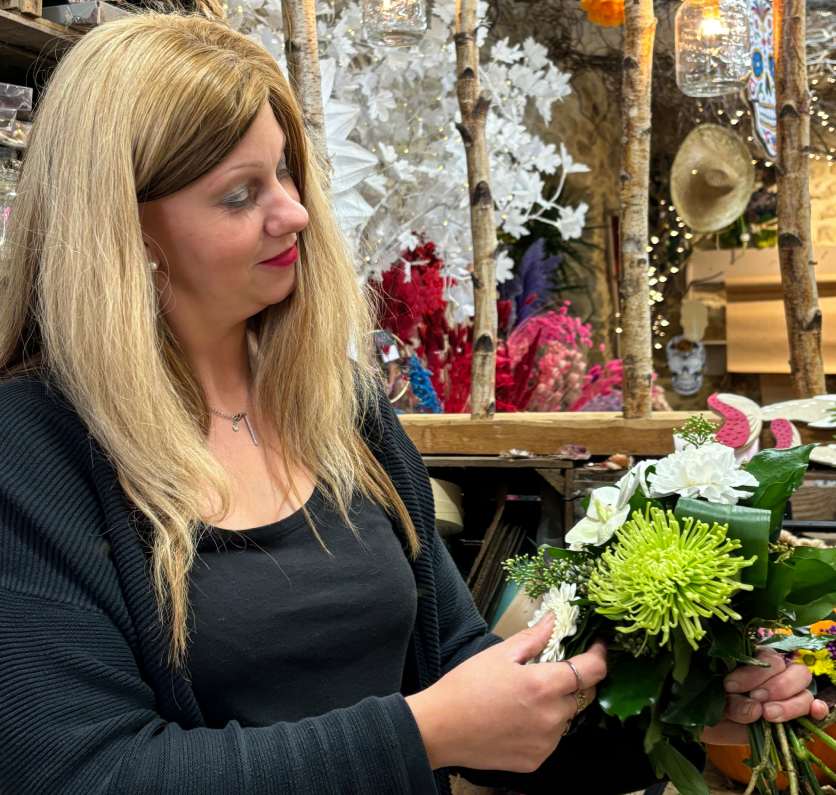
(9, 170)
(712, 47)
(395, 23)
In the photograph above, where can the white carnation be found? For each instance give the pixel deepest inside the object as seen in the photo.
(709, 472)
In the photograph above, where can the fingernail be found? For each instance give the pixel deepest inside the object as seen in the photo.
(773, 711)
(760, 694)
(732, 686)
(747, 708)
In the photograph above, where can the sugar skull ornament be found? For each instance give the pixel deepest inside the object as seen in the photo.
(686, 360)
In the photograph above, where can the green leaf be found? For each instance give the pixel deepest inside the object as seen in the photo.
(729, 643)
(788, 643)
(683, 775)
(804, 584)
(698, 701)
(632, 684)
(681, 655)
(750, 526)
(560, 552)
(653, 734)
(779, 474)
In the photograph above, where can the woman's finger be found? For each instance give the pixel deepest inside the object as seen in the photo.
(579, 672)
(784, 685)
(819, 709)
(795, 707)
(749, 677)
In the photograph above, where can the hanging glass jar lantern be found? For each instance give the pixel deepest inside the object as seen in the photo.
(395, 23)
(712, 46)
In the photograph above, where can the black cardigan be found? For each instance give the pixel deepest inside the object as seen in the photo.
(87, 701)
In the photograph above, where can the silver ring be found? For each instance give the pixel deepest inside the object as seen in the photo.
(578, 678)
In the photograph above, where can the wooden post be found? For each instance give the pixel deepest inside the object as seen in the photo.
(798, 275)
(636, 339)
(474, 105)
(302, 52)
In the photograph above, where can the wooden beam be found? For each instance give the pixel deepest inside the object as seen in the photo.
(544, 433)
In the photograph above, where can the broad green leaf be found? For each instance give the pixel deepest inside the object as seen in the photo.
(698, 701)
(681, 655)
(788, 643)
(729, 643)
(750, 526)
(683, 775)
(632, 684)
(653, 734)
(804, 585)
(779, 473)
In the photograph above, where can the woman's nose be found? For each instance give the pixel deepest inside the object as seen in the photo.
(286, 215)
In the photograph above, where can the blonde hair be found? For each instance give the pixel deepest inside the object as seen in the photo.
(137, 110)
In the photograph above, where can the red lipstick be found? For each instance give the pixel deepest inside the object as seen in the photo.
(283, 260)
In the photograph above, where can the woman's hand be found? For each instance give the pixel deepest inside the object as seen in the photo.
(778, 693)
(493, 712)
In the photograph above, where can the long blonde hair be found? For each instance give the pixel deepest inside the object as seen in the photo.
(137, 110)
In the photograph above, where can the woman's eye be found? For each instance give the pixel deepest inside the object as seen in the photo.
(245, 198)
(238, 200)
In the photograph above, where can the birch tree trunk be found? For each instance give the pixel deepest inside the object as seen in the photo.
(798, 275)
(474, 104)
(302, 51)
(639, 33)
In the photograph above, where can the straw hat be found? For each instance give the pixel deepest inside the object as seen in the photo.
(712, 178)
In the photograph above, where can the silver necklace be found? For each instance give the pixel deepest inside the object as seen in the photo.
(236, 421)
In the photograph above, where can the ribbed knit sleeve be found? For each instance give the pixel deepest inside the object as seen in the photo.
(76, 718)
(77, 712)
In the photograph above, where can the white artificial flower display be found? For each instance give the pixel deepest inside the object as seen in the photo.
(605, 514)
(558, 602)
(709, 472)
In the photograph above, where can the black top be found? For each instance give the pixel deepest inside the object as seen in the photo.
(90, 704)
(283, 630)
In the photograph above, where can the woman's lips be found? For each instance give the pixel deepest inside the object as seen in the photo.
(283, 260)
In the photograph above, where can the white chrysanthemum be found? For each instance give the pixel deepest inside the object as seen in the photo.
(709, 472)
(558, 602)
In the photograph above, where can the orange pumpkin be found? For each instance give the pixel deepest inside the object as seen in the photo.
(729, 760)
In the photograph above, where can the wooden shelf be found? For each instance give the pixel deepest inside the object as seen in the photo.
(27, 40)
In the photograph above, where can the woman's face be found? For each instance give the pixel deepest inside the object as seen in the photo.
(212, 238)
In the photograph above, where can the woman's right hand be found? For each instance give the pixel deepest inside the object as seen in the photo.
(493, 712)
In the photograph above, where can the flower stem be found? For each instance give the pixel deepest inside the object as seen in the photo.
(760, 746)
(807, 759)
(822, 735)
(792, 773)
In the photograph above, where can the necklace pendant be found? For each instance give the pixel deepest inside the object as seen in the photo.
(236, 420)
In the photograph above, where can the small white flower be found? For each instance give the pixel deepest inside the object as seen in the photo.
(571, 221)
(709, 472)
(558, 602)
(603, 517)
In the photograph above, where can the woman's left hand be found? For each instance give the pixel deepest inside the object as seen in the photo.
(778, 693)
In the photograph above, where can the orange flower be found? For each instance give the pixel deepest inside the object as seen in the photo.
(822, 627)
(607, 13)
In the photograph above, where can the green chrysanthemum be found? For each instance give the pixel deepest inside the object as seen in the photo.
(659, 575)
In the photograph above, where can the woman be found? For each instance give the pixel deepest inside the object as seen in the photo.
(218, 567)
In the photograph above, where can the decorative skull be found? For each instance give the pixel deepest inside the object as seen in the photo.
(686, 360)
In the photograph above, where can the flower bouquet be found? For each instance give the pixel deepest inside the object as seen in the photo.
(680, 568)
